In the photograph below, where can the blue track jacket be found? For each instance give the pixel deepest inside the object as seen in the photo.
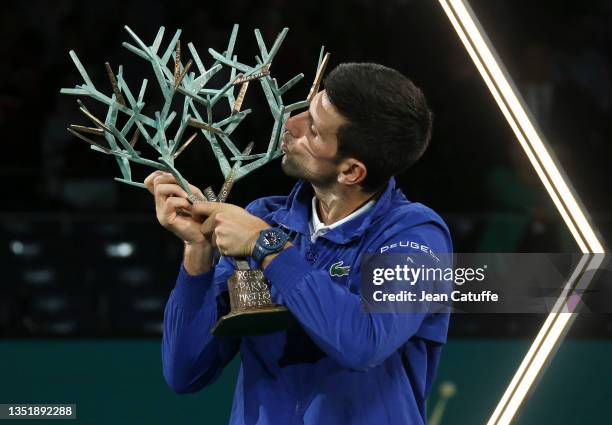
(338, 365)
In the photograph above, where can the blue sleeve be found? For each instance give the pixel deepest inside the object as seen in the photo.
(332, 315)
(191, 356)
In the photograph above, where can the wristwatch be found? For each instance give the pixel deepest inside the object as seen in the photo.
(269, 241)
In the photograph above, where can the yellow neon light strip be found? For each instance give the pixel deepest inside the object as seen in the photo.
(556, 324)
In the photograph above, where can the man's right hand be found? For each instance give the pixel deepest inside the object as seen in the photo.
(172, 208)
(174, 213)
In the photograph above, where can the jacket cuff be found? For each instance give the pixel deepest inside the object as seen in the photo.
(286, 270)
(191, 290)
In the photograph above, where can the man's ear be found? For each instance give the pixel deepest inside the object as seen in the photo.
(352, 172)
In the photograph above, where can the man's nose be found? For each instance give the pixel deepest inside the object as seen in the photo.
(296, 124)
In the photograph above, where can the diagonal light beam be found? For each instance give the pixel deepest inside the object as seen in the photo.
(556, 183)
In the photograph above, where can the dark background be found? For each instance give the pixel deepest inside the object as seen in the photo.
(83, 257)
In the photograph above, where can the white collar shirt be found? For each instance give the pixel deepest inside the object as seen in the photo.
(317, 228)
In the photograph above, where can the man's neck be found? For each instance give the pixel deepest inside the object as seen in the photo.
(335, 203)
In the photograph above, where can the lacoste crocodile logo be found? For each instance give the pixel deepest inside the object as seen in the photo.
(338, 270)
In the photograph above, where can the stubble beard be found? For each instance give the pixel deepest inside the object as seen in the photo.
(292, 168)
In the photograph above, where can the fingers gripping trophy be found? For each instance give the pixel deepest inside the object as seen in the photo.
(168, 133)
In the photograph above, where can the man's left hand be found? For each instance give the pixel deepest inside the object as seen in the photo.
(232, 229)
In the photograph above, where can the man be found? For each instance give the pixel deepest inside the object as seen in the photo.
(338, 364)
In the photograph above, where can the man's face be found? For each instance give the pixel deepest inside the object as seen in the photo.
(310, 143)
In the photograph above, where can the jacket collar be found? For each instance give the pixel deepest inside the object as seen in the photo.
(295, 214)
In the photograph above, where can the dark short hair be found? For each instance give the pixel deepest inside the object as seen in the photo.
(388, 121)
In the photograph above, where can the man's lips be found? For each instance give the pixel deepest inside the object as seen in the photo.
(285, 143)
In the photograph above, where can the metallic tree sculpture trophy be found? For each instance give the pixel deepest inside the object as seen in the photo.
(252, 309)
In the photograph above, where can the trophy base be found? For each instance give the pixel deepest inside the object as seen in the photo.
(259, 321)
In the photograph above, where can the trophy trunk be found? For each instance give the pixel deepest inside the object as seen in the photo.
(252, 310)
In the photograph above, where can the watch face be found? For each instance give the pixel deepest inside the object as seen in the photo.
(271, 239)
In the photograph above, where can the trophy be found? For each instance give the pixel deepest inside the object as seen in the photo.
(252, 310)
